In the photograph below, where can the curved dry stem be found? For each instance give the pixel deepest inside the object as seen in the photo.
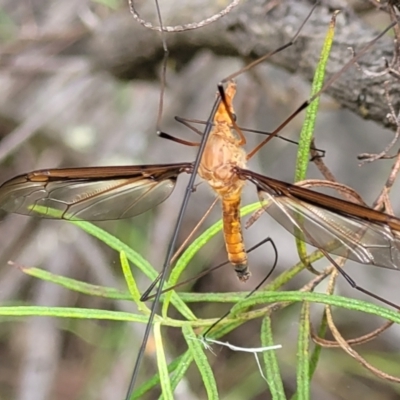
(353, 342)
(181, 28)
(350, 351)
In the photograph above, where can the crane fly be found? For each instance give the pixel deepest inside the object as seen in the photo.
(108, 193)
(115, 192)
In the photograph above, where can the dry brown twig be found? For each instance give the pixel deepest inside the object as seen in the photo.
(354, 354)
(181, 28)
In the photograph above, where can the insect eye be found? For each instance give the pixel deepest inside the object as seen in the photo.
(234, 117)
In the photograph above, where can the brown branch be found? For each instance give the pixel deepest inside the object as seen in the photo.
(126, 49)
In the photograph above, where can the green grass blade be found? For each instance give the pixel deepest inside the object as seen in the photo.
(131, 283)
(177, 369)
(105, 237)
(162, 364)
(272, 372)
(258, 298)
(133, 256)
(116, 244)
(76, 286)
(70, 312)
(317, 349)
(306, 135)
(303, 354)
(201, 361)
(299, 296)
(181, 369)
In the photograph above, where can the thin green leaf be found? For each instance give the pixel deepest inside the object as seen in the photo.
(201, 361)
(306, 135)
(70, 312)
(116, 244)
(303, 355)
(76, 286)
(299, 296)
(119, 246)
(106, 238)
(272, 371)
(181, 369)
(131, 283)
(175, 368)
(136, 259)
(317, 349)
(162, 364)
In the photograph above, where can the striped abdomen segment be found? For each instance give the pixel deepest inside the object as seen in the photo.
(233, 236)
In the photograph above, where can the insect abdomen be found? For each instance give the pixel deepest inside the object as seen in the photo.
(233, 236)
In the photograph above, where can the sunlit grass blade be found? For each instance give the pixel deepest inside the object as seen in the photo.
(333, 300)
(76, 286)
(131, 283)
(271, 367)
(306, 135)
(197, 350)
(110, 240)
(318, 349)
(70, 312)
(176, 368)
(179, 372)
(162, 364)
(307, 131)
(256, 299)
(116, 244)
(303, 355)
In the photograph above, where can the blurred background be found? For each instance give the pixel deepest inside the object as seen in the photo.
(66, 101)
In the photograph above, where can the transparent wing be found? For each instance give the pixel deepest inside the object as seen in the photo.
(92, 194)
(351, 237)
(335, 225)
